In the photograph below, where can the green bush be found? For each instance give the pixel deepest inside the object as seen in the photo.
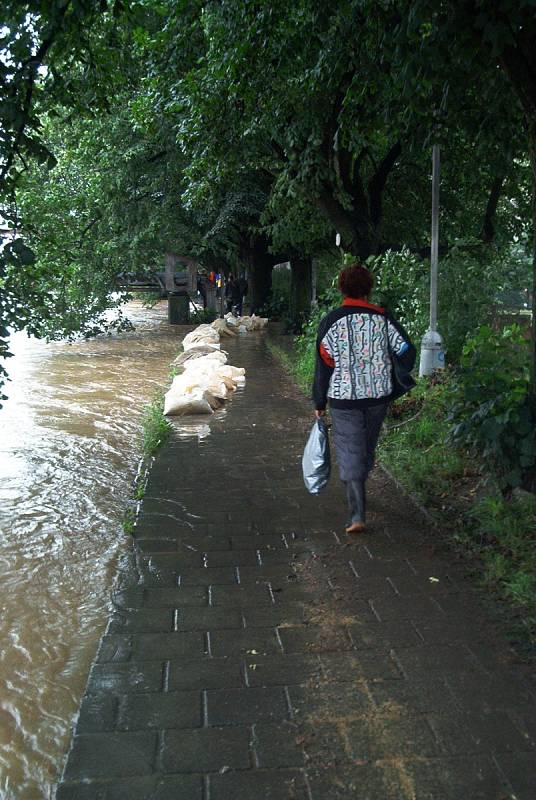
(401, 285)
(203, 315)
(490, 412)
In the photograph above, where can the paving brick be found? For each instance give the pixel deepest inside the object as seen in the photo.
(414, 607)
(283, 572)
(279, 670)
(520, 770)
(474, 691)
(151, 577)
(241, 596)
(365, 588)
(129, 677)
(111, 755)
(255, 541)
(158, 711)
(390, 737)
(367, 567)
(208, 576)
(252, 641)
(411, 697)
(97, 713)
(280, 785)
(156, 787)
(115, 647)
(168, 645)
(287, 591)
(191, 619)
(157, 545)
(177, 562)
(128, 598)
(441, 631)
(176, 598)
(324, 700)
(315, 639)
(368, 664)
(234, 558)
(292, 555)
(491, 732)
(362, 782)
(152, 619)
(206, 750)
(246, 706)
(418, 662)
(435, 583)
(279, 745)
(455, 778)
(383, 635)
(210, 673)
(288, 614)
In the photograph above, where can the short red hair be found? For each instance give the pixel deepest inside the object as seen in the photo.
(355, 281)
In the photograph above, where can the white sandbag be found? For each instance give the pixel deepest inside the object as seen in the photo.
(258, 323)
(214, 399)
(203, 334)
(196, 353)
(177, 404)
(233, 372)
(231, 320)
(202, 380)
(222, 328)
(248, 323)
(216, 357)
(203, 342)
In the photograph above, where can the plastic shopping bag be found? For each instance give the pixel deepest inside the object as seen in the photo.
(316, 461)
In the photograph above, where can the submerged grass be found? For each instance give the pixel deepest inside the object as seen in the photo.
(155, 432)
(156, 428)
(497, 535)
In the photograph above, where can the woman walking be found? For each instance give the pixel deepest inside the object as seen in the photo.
(357, 346)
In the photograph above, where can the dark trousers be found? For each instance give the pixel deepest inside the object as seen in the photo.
(355, 436)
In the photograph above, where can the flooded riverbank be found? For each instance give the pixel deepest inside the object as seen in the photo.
(69, 446)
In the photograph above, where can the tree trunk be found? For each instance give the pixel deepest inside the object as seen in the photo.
(532, 151)
(260, 265)
(354, 228)
(300, 289)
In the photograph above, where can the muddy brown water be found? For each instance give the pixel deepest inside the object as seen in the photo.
(69, 448)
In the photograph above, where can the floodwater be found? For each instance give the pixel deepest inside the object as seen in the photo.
(69, 450)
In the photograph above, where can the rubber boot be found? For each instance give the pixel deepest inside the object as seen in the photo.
(355, 492)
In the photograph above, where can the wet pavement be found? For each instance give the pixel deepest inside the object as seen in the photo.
(258, 652)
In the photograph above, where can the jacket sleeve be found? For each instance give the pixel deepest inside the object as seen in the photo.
(401, 345)
(324, 366)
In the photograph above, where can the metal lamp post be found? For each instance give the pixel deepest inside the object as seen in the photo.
(432, 353)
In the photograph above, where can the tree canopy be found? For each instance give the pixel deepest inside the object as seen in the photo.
(243, 133)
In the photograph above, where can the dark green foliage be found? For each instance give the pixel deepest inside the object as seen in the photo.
(202, 315)
(491, 413)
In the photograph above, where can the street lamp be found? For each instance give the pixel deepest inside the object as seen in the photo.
(432, 353)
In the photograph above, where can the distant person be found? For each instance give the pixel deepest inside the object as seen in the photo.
(233, 295)
(201, 288)
(354, 374)
(243, 287)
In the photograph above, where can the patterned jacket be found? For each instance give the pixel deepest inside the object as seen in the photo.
(353, 362)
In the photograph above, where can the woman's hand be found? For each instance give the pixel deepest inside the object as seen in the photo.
(320, 413)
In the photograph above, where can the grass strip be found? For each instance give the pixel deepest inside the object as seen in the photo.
(156, 430)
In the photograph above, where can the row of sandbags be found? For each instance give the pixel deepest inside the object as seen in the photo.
(206, 379)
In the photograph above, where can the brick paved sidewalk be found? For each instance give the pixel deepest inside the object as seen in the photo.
(258, 653)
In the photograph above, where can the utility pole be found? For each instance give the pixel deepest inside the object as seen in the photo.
(432, 353)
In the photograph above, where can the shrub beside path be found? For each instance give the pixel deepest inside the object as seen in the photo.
(255, 651)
